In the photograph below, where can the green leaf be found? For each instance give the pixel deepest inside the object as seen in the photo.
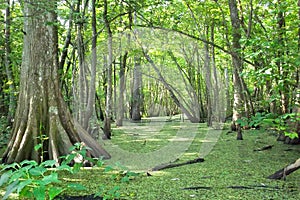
(76, 146)
(242, 122)
(13, 165)
(108, 169)
(37, 171)
(54, 191)
(291, 135)
(26, 192)
(52, 178)
(5, 177)
(100, 163)
(10, 189)
(65, 167)
(38, 146)
(23, 184)
(16, 175)
(76, 167)
(39, 192)
(29, 162)
(48, 163)
(68, 159)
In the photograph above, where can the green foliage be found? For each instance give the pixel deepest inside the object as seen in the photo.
(106, 193)
(283, 123)
(4, 131)
(287, 124)
(120, 175)
(35, 181)
(32, 180)
(253, 121)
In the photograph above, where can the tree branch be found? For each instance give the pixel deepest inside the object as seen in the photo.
(197, 38)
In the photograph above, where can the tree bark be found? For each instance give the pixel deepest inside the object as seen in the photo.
(218, 114)
(281, 61)
(85, 103)
(108, 108)
(8, 67)
(208, 86)
(237, 64)
(136, 91)
(90, 107)
(282, 173)
(42, 116)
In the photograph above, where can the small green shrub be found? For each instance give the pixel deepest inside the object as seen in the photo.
(282, 123)
(32, 180)
(35, 181)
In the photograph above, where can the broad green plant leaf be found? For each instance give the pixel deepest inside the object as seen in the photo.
(10, 189)
(52, 178)
(65, 167)
(23, 184)
(48, 163)
(54, 192)
(5, 177)
(13, 165)
(77, 167)
(37, 171)
(38, 146)
(29, 162)
(39, 192)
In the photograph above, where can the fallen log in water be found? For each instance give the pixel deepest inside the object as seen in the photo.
(282, 173)
(172, 165)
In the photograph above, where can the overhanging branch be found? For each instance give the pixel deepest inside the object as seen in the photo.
(199, 39)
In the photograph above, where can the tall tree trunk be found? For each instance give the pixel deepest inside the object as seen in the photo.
(136, 92)
(218, 114)
(137, 84)
(237, 65)
(87, 76)
(41, 111)
(284, 92)
(108, 108)
(120, 111)
(227, 91)
(208, 87)
(80, 101)
(90, 107)
(7, 59)
(122, 86)
(199, 88)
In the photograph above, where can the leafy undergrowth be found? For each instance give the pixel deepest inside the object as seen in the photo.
(231, 170)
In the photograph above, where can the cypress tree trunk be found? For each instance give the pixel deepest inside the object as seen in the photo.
(42, 116)
(7, 60)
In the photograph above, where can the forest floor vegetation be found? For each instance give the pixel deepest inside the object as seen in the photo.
(233, 169)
